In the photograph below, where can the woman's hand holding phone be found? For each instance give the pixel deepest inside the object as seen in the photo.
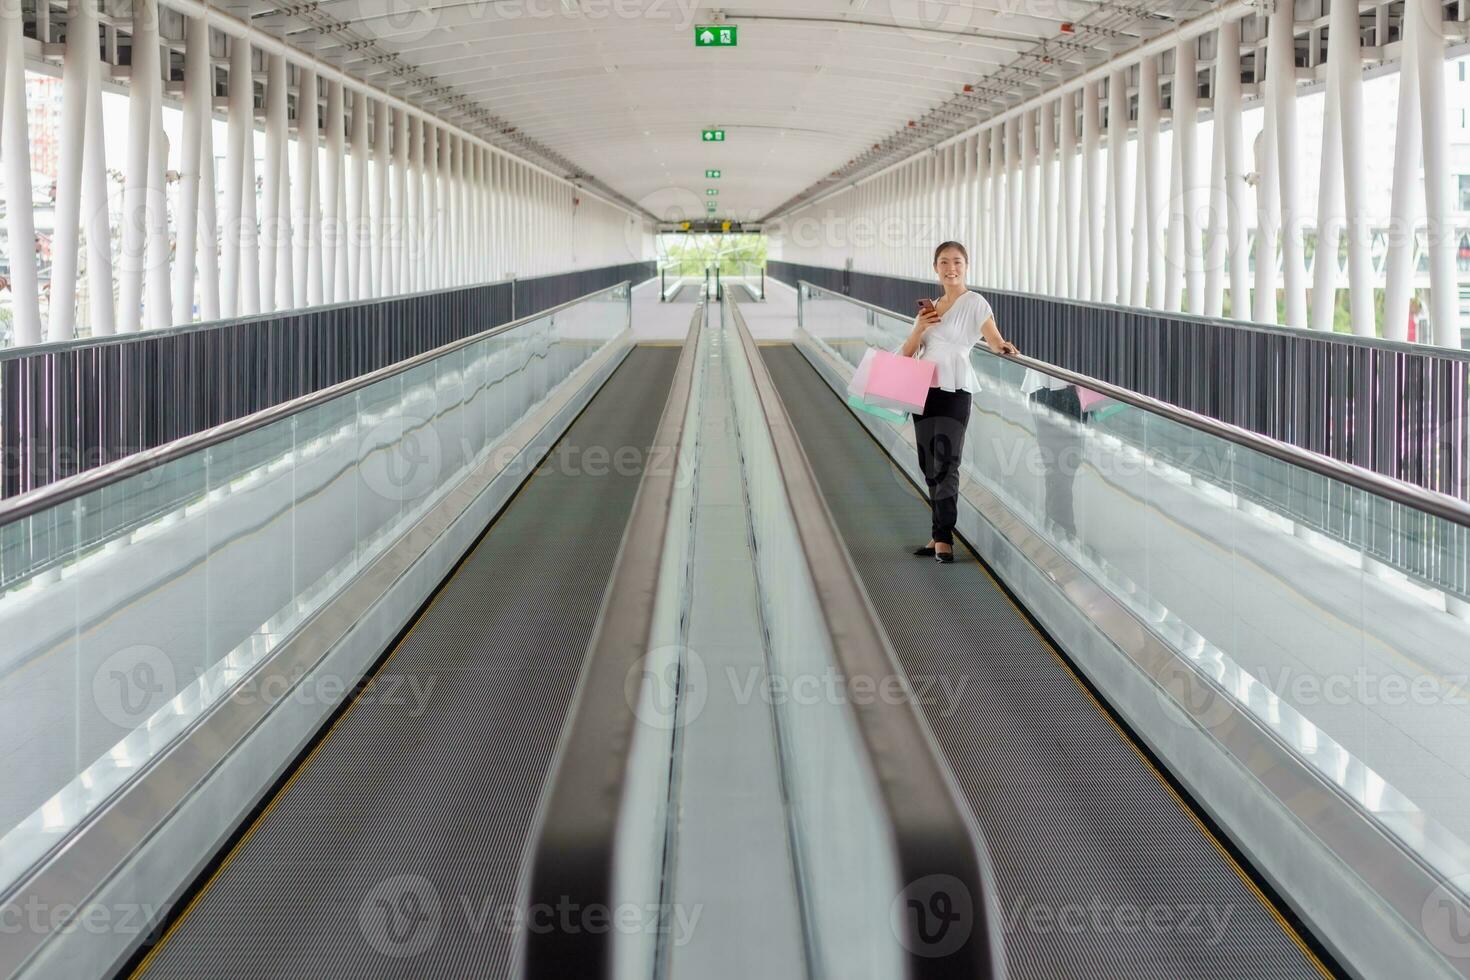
(928, 316)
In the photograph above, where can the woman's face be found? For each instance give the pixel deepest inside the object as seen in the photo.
(951, 266)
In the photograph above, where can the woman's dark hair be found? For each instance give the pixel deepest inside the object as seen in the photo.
(945, 245)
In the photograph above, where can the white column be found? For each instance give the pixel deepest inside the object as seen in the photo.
(1174, 224)
(454, 209)
(1028, 277)
(1444, 300)
(1067, 258)
(208, 236)
(16, 159)
(497, 219)
(197, 117)
(302, 187)
(359, 258)
(1329, 199)
(1148, 251)
(240, 119)
(132, 260)
(487, 216)
(413, 206)
(1047, 219)
(984, 207)
(957, 177)
(1120, 203)
(1263, 300)
(96, 206)
(250, 205)
(1186, 135)
(159, 306)
(436, 210)
(397, 206)
(334, 258)
(1401, 206)
(1000, 158)
(1237, 213)
(379, 284)
(1345, 61)
(1281, 76)
(77, 67)
(272, 231)
(1092, 202)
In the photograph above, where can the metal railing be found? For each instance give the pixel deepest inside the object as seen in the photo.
(69, 407)
(1401, 410)
(30, 548)
(1398, 525)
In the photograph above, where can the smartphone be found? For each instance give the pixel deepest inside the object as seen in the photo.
(926, 305)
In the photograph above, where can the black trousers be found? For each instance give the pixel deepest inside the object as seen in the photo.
(940, 433)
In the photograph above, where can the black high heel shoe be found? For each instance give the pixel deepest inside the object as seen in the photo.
(926, 550)
(944, 557)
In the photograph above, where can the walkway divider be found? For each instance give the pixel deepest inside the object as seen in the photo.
(601, 826)
(896, 875)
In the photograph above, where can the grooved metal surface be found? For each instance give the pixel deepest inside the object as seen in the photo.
(396, 850)
(1102, 872)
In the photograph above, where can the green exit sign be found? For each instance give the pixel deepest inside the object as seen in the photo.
(712, 135)
(715, 36)
(712, 192)
(712, 174)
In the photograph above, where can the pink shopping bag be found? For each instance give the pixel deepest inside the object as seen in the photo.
(860, 376)
(898, 382)
(1091, 400)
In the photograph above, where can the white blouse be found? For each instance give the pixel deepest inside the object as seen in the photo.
(949, 342)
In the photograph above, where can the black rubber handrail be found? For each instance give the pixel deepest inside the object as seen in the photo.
(571, 855)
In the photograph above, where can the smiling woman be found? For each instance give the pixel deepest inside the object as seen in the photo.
(944, 332)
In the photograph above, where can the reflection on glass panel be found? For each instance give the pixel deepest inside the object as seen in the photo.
(134, 608)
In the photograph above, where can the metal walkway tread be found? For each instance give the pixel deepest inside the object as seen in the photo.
(397, 845)
(1102, 871)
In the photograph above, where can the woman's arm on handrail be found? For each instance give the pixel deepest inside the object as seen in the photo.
(994, 340)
